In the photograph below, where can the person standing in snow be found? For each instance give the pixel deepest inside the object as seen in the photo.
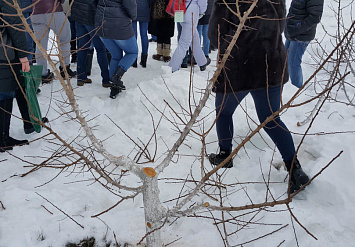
(10, 74)
(301, 24)
(83, 14)
(48, 15)
(143, 18)
(256, 66)
(162, 26)
(113, 21)
(190, 36)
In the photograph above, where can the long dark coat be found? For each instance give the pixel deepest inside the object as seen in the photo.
(114, 18)
(302, 19)
(83, 12)
(259, 56)
(7, 79)
(161, 23)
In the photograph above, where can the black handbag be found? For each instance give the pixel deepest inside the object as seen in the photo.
(6, 45)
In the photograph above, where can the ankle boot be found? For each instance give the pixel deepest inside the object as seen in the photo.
(166, 52)
(134, 65)
(298, 177)
(116, 82)
(89, 57)
(216, 159)
(71, 73)
(143, 62)
(203, 67)
(159, 55)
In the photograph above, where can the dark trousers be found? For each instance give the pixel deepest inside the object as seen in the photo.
(266, 102)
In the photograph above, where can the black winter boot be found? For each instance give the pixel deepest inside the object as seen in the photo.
(134, 65)
(217, 159)
(7, 142)
(144, 60)
(117, 84)
(3, 127)
(73, 51)
(89, 57)
(203, 67)
(71, 73)
(298, 177)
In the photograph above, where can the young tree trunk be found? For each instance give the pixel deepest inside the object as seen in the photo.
(153, 211)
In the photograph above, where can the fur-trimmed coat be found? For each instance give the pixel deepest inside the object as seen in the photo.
(161, 23)
(258, 58)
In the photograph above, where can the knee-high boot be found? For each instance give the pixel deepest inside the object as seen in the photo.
(144, 60)
(7, 142)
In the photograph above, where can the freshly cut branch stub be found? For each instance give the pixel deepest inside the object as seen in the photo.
(150, 172)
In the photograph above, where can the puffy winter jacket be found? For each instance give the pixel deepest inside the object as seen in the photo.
(7, 79)
(83, 11)
(114, 18)
(258, 58)
(47, 6)
(303, 17)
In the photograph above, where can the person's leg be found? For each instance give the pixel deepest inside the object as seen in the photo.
(83, 46)
(295, 51)
(41, 30)
(116, 54)
(101, 55)
(206, 40)
(130, 49)
(143, 31)
(266, 103)
(183, 46)
(73, 41)
(225, 106)
(61, 27)
(23, 107)
(198, 54)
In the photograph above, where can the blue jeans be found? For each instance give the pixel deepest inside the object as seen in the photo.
(295, 50)
(116, 48)
(29, 39)
(143, 31)
(85, 35)
(266, 102)
(203, 31)
(8, 95)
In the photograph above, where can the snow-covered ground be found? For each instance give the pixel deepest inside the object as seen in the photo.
(34, 209)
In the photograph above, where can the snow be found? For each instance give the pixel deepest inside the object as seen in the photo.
(38, 211)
